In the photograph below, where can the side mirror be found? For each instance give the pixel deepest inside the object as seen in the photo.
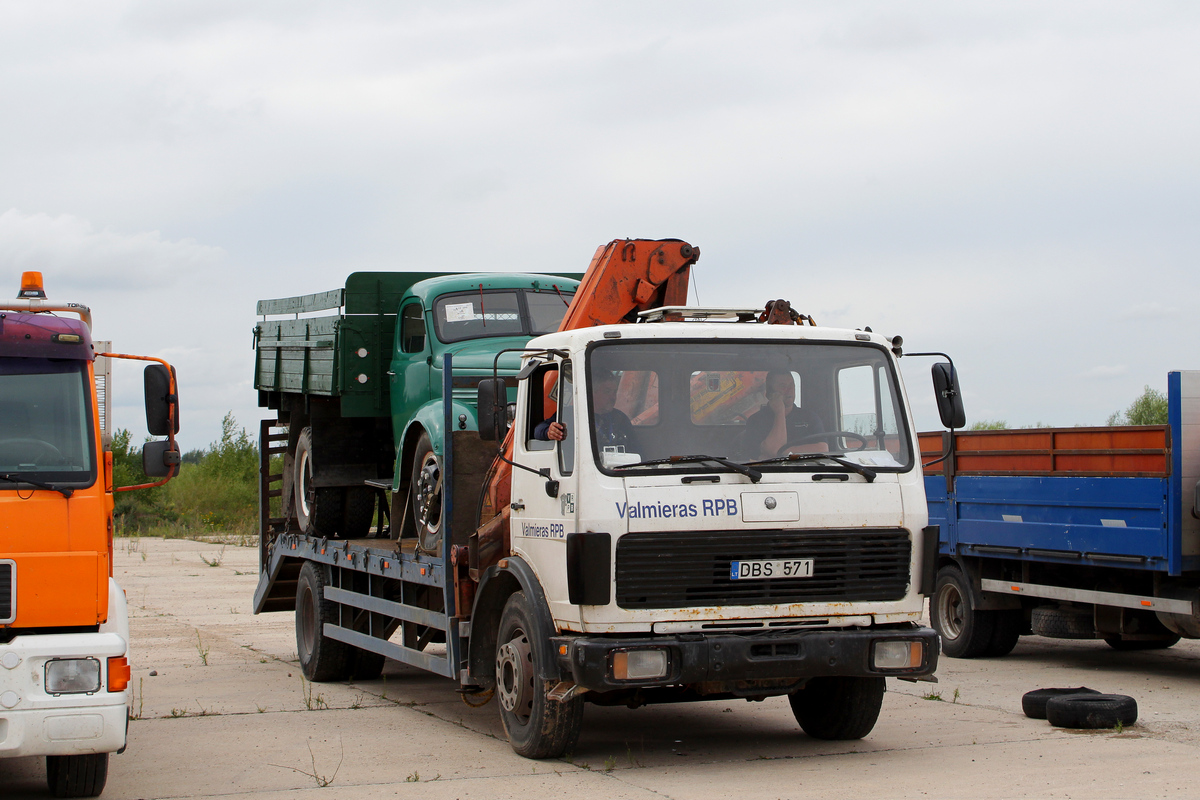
(493, 409)
(948, 396)
(158, 459)
(160, 402)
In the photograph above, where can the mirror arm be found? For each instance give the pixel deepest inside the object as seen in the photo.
(948, 393)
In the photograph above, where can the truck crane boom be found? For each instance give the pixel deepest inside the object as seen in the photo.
(625, 276)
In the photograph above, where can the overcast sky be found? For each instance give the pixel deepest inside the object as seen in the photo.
(1017, 184)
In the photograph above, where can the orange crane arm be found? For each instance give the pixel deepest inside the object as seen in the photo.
(625, 276)
(631, 275)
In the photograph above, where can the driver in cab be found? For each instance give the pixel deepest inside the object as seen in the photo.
(612, 426)
(781, 427)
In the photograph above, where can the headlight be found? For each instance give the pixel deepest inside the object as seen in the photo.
(72, 676)
(639, 665)
(899, 655)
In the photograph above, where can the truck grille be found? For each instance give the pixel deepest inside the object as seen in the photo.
(8, 591)
(684, 569)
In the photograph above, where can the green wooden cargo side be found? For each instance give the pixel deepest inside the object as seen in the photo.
(344, 354)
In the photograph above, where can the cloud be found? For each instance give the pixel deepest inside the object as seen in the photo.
(1147, 311)
(1104, 372)
(69, 246)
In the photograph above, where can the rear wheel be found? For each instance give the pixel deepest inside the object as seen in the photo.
(365, 665)
(1006, 631)
(318, 511)
(838, 707)
(537, 726)
(358, 511)
(966, 633)
(321, 658)
(426, 488)
(77, 776)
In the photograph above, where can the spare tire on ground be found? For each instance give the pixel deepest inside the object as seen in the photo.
(1034, 703)
(1091, 711)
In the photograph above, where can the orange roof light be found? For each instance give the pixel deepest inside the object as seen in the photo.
(31, 286)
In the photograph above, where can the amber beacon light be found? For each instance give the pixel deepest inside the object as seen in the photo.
(31, 286)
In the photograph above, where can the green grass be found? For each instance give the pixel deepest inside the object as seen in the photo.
(214, 497)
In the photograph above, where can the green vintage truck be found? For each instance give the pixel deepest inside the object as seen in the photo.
(358, 392)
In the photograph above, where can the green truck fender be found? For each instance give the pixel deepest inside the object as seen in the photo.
(429, 419)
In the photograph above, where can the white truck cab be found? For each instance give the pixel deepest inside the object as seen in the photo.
(665, 520)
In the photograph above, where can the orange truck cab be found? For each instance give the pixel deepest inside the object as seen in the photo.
(64, 626)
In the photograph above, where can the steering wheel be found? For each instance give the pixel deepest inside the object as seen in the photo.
(40, 452)
(828, 437)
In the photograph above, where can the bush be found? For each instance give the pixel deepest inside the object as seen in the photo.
(1148, 409)
(216, 490)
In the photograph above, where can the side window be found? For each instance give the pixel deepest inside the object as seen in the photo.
(541, 406)
(856, 400)
(565, 397)
(412, 329)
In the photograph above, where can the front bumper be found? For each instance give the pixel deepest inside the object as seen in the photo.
(35, 723)
(726, 657)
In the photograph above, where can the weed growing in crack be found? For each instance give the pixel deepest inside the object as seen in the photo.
(216, 560)
(321, 780)
(201, 649)
(313, 701)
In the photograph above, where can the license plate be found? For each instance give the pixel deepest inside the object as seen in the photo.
(761, 570)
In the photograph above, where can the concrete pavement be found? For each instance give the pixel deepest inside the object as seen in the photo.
(221, 710)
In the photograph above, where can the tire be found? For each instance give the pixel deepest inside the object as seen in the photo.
(965, 632)
(1124, 645)
(318, 511)
(1034, 703)
(321, 659)
(426, 489)
(1062, 623)
(838, 708)
(358, 512)
(365, 665)
(537, 726)
(1006, 631)
(1091, 711)
(77, 776)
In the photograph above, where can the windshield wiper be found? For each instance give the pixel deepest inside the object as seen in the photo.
(754, 475)
(65, 492)
(866, 472)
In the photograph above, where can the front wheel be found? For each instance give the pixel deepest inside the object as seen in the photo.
(426, 488)
(837, 707)
(537, 726)
(966, 633)
(77, 776)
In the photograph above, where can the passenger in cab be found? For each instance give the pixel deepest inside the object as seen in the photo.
(781, 425)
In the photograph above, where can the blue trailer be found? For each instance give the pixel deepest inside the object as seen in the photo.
(1074, 533)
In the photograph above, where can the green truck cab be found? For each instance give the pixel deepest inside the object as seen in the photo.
(359, 390)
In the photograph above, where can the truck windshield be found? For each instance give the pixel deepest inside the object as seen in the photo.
(780, 406)
(504, 312)
(45, 421)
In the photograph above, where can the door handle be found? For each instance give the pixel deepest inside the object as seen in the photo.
(517, 506)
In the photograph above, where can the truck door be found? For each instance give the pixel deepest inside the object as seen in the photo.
(540, 528)
(409, 374)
